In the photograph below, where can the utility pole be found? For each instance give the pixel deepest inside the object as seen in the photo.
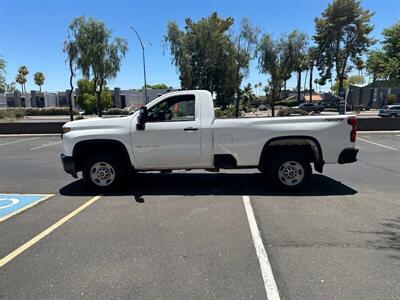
(144, 65)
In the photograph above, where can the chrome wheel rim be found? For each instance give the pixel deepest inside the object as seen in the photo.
(291, 173)
(102, 174)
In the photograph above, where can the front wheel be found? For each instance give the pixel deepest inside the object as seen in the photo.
(103, 173)
(289, 172)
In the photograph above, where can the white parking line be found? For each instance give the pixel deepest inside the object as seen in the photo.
(380, 145)
(46, 145)
(20, 141)
(266, 270)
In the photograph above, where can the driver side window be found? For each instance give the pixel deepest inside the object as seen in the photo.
(173, 109)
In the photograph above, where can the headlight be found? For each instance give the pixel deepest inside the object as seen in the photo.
(66, 129)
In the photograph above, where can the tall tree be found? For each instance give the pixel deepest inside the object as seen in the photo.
(298, 42)
(385, 63)
(72, 56)
(3, 83)
(359, 63)
(342, 33)
(248, 97)
(376, 64)
(21, 79)
(245, 46)
(87, 98)
(311, 58)
(99, 57)
(391, 48)
(158, 86)
(39, 79)
(10, 87)
(275, 58)
(355, 79)
(23, 71)
(203, 54)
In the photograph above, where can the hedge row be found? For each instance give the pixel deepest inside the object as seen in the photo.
(287, 102)
(292, 112)
(49, 111)
(20, 112)
(11, 113)
(117, 111)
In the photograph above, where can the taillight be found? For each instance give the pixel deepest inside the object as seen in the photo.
(353, 133)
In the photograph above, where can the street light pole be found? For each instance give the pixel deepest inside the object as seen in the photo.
(144, 65)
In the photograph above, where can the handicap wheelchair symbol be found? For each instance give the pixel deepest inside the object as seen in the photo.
(12, 204)
(8, 202)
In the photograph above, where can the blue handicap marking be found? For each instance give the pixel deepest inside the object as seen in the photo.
(11, 204)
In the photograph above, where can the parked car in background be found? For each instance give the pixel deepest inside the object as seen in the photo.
(263, 107)
(390, 111)
(311, 107)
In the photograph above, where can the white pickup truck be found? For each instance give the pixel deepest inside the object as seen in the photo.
(179, 131)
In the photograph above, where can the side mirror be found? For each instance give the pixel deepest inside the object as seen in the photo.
(142, 118)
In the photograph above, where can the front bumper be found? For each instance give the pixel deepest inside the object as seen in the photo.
(348, 155)
(69, 165)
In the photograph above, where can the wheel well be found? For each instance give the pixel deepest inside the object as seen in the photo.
(84, 149)
(308, 146)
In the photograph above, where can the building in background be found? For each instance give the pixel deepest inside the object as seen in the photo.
(120, 98)
(373, 95)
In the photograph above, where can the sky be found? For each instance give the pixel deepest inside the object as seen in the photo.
(32, 32)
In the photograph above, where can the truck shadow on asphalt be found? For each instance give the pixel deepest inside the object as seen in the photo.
(203, 184)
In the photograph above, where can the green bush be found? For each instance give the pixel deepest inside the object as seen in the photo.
(20, 112)
(391, 99)
(229, 112)
(116, 111)
(49, 111)
(12, 113)
(287, 102)
(291, 111)
(331, 109)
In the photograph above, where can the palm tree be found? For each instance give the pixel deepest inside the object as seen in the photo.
(312, 57)
(23, 71)
(256, 87)
(360, 66)
(71, 50)
(300, 68)
(21, 79)
(39, 79)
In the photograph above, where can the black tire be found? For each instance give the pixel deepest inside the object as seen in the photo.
(103, 164)
(393, 115)
(289, 172)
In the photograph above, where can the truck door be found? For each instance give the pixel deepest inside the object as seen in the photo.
(171, 138)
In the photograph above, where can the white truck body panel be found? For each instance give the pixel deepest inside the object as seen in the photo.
(166, 145)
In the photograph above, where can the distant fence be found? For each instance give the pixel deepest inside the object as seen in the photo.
(363, 124)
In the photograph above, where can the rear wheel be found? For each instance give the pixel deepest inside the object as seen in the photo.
(289, 172)
(103, 173)
(393, 115)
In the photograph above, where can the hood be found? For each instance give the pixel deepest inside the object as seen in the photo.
(98, 123)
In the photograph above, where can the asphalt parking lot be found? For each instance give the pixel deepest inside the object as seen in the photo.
(189, 235)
